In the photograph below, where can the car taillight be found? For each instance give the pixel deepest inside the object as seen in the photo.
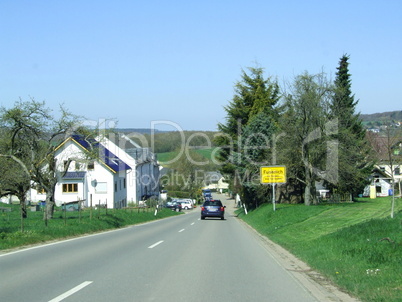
(222, 209)
(202, 209)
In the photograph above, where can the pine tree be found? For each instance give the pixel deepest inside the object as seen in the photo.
(254, 95)
(353, 161)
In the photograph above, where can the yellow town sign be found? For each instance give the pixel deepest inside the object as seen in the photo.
(273, 174)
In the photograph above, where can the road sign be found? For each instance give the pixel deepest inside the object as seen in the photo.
(273, 174)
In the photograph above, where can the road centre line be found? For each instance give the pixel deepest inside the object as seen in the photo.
(155, 244)
(71, 291)
(193, 223)
(181, 230)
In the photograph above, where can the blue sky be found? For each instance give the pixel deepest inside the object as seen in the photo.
(177, 61)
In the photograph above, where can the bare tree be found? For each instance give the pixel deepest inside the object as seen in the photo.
(388, 150)
(303, 148)
(32, 136)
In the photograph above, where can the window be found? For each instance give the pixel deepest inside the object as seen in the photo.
(213, 203)
(41, 191)
(91, 165)
(115, 186)
(398, 171)
(70, 188)
(77, 166)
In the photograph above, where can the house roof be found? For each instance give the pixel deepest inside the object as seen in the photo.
(74, 175)
(213, 176)
(123, 141)
(133, 149)
(111, 161)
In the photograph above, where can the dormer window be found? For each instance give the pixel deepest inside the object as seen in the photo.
(65, 165)
(91, 165)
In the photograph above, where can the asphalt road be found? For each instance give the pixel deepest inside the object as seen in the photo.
(176, 259)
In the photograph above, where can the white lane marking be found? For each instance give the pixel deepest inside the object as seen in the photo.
(181, 230)
(71, 291)
(193, 223)
(155, 244)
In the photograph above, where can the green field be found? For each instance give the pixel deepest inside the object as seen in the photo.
(168, 156)
(356, 245)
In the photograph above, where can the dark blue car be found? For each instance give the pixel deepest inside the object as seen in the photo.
(213, 208)
(173, 205)
(207, 196)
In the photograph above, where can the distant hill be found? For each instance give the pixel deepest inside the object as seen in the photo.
(369, 120)
(138, 130)
(383, 117)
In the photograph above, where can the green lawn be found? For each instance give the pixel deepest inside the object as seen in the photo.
(355, 245)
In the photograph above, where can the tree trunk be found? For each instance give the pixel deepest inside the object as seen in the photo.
(307, 197)
(23, 214)
(393, 198)
(309, 190)
(23, 207)
(49, 209)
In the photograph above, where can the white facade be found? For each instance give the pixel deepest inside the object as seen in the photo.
(143, 177)
(115, 181)
(93, 182)
(381, 186)
(396, 173)
(215, 181)
(381, 182)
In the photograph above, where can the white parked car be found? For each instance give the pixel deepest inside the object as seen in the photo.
(186, 204)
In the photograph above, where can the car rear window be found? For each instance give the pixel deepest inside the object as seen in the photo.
(213, 203)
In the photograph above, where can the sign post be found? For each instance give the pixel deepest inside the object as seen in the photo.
(273, 175)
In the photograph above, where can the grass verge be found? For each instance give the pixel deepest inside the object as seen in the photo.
(357, 246)
(69, 224)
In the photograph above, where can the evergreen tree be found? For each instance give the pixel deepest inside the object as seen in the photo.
(353, 160)
(253, 94)
(257, 150)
